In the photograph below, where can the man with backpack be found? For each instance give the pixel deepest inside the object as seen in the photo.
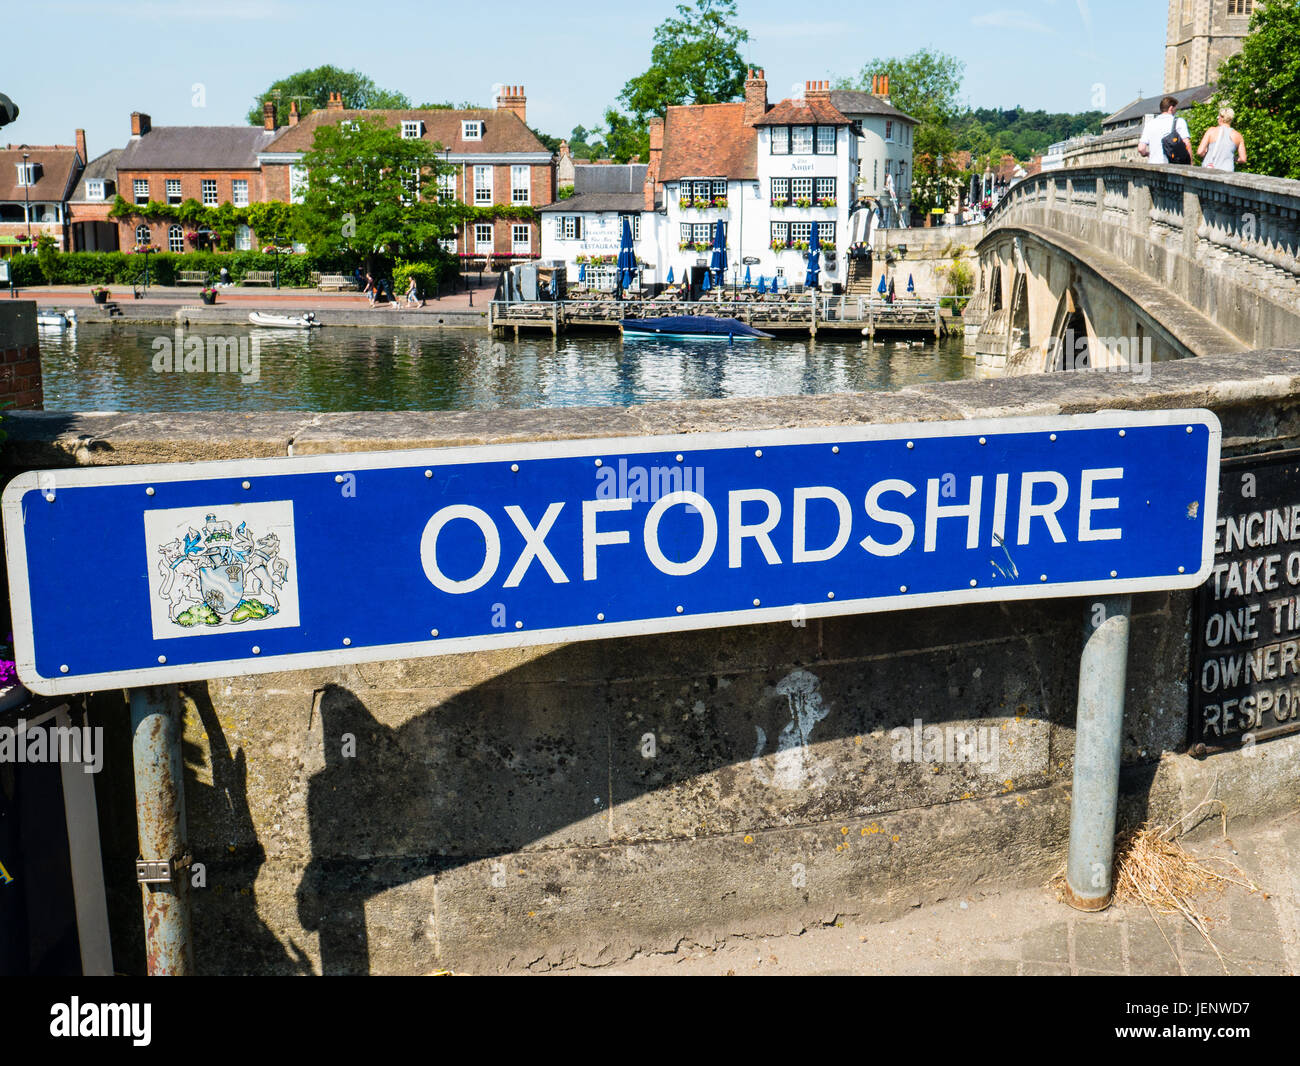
(1166, 138)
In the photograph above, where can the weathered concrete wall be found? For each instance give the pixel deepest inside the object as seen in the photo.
(508, 810)
(20, 356)
(928, 249)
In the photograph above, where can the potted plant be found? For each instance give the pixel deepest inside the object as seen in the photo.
(209, 295)
(99, 295)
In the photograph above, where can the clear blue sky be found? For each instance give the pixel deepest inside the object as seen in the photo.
(572, 60)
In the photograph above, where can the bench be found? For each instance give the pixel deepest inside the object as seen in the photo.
(337, 282)
(192, 277)
(259, 277)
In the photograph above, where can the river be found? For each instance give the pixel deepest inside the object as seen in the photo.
(100, 367)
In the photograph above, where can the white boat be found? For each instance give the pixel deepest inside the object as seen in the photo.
(306, 320)
(55, 319)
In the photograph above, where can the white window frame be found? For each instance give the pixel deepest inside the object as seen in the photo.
(297, 183)
(800, 231)
(409, 176)
(412, 129)
(821, 184)
(825, 232)
(801, 189)
(244, 238)
(146, 239)
(482, 191)
(702, 233)
(780, 137)
(481, 245)
(239, 192)
(635, 220)
(521, 184)
(471, 129)
(447, 187)
(518, 246)
(569, 228)
(94, 188)
(448, 244)
(209, 185)
(821, 144)
(172, 187)
(802, 140)
(140, 190)
(780, 191)
(26, 173)
(175, 236)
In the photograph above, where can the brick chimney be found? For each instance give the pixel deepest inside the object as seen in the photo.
(268, 114)
(816, 90)
(656, 132)
(880, 85)
(336, 102)
(139, 124)
(755, 97)
(512, 98)
(81, 146)
(293, 112)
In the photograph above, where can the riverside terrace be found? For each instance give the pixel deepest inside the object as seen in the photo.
(799, 312)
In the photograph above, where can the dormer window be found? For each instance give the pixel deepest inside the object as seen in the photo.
(95, 189)
(412, 130)
(27, 173)
(471, 129)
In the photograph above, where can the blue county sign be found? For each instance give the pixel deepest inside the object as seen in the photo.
(134, 575)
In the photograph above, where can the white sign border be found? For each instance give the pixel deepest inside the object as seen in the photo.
(350, 462)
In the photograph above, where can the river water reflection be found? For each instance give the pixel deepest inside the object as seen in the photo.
(98, 367)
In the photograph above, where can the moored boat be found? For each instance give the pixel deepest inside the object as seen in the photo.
(306, 320)
(705, 327)
(52, 319)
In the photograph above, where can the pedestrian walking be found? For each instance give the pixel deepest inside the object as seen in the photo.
(369, 289)
(891, 290)
(1166, 138)
(1222, 147)
(413, 294)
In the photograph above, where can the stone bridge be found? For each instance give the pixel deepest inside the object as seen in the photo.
(1104, 266)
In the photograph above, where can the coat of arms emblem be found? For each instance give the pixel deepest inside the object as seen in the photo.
(218, 575)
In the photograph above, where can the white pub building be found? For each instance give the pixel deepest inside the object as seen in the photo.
(767, 173)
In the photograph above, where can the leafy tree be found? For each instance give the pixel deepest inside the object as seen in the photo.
(312, 89)
(925, 84)
(696, 59)
(370, 191)
(1261, 84)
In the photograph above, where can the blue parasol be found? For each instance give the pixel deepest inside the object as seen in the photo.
(910, 286)
(670, 276)
(882, 288)
(762, 285)
(626, 255)
(582, 272)
(706, 285)
(748, 283)
(814, 258)
(718, 261)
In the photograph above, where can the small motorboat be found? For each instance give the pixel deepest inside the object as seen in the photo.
(52, 319)
(306, 320)
(697, 327)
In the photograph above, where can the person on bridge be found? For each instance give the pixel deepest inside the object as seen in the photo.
(1222, 147)
(1152, 143)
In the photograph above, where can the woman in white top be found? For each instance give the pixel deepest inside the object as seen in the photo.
(1222, 147)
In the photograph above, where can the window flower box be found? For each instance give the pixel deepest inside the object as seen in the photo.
(803, 201)
(719, 201)
(827, 246)
(778, 246)
(800, 246)
(780, 203)
(826, 201)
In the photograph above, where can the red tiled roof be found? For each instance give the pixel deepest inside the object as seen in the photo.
(707, 141)
(813, 111)
(54, 180)
(503, 131)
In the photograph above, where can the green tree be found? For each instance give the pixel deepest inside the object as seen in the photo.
(1262, 85)
(312, 89)
(696, 59)
(925, 84)
(370, 191)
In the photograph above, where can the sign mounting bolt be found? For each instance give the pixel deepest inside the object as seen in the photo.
(149, 491)
(973, 582)
(835, 449)
(347, 641)
(830, 595)
(1181, 570)
(757, 603)
(428, 473)
(1052, 437)
(162, 658)
(63, 669)
(902, 588)
(910, 445)
(338, 479)
(599, 463)
(758, 453)
(679, 458)
(680, 608)
(514, 468)
(1122, 433)
(983, 440)
(519, 625)
(257, 649)
(433, 632)
(1114, 574)
(600, 617)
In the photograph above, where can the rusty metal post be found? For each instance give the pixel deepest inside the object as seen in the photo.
(1103, 671)
(160, 814)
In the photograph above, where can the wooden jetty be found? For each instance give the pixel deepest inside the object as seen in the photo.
(807, 314)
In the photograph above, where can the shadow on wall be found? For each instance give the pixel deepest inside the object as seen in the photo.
(676, 737)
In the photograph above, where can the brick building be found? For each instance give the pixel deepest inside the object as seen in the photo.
(498, 161)
(171, 164)
(36, 182)
(89, 227)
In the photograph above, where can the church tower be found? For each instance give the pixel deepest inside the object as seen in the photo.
(1201, 34)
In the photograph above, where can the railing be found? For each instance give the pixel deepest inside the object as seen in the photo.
(797, 310)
